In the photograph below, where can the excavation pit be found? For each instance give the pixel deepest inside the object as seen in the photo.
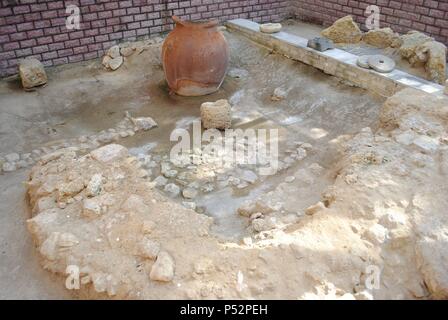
(298, 232)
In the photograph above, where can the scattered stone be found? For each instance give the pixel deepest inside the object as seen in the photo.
(238, 73)
(163, 268)
(91, 208)
(149, 248)
(32, 73)
(109, 153)
(95, 185)
(381, 63)
(144, 123)
(115, 63)
(344, 30)
(314, 208)
(170, 173)
(172, 189)
(127, 51)
(290, 179)
(270, 27)
(320, 44)
(105, 61)
(113, 52)
(189, 193)
(160, 181)
(260, 225)
(148, 226)
(189, 205)
(216, 115)
(382, 38)
(279, 94)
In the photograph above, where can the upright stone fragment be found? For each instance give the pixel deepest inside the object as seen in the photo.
(344, 30)
(216, 115)
(32, 73)
(163, 268)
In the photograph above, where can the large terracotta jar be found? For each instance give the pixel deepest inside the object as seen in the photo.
(195, 58)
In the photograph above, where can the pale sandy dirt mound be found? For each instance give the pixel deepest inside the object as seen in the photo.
(385, 207)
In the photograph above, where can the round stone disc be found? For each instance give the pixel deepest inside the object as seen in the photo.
(363, 62)
(381, 63)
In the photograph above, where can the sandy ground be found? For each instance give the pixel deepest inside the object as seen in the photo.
(83, 99)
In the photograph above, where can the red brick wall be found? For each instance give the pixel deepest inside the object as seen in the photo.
(428, 16)
(37, 27)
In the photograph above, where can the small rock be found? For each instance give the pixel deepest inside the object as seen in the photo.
(94, 186)
(144, 123)
(109, 153)
(115, 63)
(260, 225)
(32, 73)
(172, 189)
(189, 205)
(315, 208)
(148, 226)
(189, 193)
(216, 115)
(270, 27)
(127, 51)
(149, 248)
(344, 30)
(320, 44)
(160, 181)
(113, 52)
(290, 179)
(170, 173)
(163, 268)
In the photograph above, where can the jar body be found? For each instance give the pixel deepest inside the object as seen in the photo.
(195, 57)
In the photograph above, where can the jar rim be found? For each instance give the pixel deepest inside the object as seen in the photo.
(196, 24)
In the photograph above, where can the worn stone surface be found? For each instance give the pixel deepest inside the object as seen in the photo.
(270, 27)
(216, 115)
(381, 63)
(382, 38)
(344, 30)
(32, 73)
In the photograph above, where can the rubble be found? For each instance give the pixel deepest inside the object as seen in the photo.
(32, 73)
(344, 30)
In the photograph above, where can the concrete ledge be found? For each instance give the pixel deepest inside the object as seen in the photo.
(335, 62)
